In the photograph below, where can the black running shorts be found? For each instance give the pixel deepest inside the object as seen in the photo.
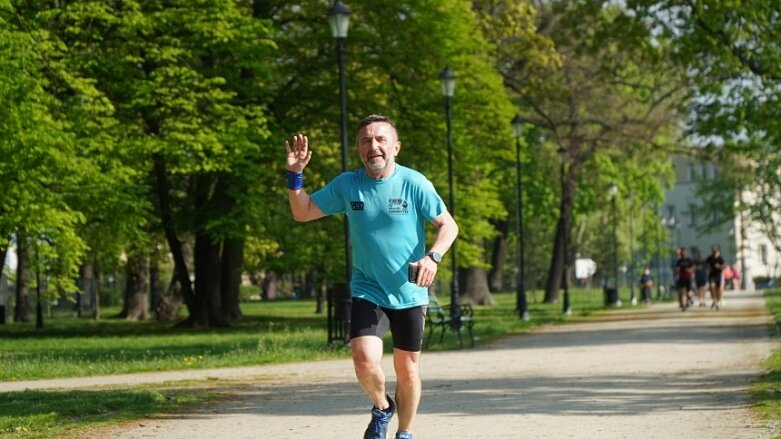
(406, 325)
(716, 279)
(683, 284)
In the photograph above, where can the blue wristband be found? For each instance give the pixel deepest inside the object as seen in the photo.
(295, 180)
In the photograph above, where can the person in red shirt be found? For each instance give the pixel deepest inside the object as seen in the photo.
(684, 269)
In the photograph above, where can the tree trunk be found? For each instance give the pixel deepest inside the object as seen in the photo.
(4, 296)
(310, 284)
(320, 298)
(180, 264)
(232, 267)
(498, 258)
(136, 306)
(473, 283)
(96, 292)
(207, 282)
(171, 301)
(269, 286)
(155, 286)
(556, 270)
(22, 307)
(87, 288)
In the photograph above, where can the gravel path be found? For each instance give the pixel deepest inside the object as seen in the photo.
(642, 372)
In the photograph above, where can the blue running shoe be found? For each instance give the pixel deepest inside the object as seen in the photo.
(378, 427)
(403, 435)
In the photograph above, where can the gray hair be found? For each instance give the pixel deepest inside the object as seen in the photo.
(372, 118)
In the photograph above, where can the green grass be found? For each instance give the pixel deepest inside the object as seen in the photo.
(270, 332)
(767, 390)
(55, 414)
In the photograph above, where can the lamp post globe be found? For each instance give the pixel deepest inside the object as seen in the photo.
(566, 309)
(448, 81)
(339, 19)
(517, 124)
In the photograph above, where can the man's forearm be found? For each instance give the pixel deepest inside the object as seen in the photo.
(302, 206)
(446, 235)
(299, 203)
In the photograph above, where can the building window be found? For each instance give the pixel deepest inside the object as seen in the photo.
(670, 211)
(690, 173)
(704, 171)
(692, 214)
(763, 253)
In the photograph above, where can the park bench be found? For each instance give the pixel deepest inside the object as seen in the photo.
(439, 317)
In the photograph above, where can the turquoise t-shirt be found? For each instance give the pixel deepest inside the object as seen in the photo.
(387, 219)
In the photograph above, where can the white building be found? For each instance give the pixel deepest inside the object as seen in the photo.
(743, 245)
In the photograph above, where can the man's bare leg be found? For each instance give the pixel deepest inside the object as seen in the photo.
(367, 355)
(408, 386)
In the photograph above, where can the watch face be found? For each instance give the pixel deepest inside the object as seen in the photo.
(436, 257)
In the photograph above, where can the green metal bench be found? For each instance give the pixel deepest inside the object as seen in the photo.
(439, 317)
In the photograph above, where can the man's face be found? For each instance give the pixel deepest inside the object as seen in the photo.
(378, 145)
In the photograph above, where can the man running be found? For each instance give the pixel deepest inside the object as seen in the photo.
(387, 205)
(684, 268)
(716, 276)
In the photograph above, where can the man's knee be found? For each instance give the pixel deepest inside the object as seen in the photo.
(407, 366)
(367, 353)
(408, 375)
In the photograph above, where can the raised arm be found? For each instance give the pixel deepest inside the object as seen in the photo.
(298, 156)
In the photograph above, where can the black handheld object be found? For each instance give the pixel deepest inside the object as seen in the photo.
(412, 272)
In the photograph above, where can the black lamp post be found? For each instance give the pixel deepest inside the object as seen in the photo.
(566, 309)
(38, 305)
(448, 80)
(339, 19)
(632, 298)
(523, 311)
(613, 192)
(659, 257)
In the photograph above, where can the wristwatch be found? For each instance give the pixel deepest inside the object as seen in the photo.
(436, 257)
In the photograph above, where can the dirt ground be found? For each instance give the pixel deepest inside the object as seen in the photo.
(642, 372)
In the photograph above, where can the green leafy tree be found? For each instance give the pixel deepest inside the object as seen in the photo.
(732, 53)
(604, 92)
(395, 53)
(50, 115)
(186, 81)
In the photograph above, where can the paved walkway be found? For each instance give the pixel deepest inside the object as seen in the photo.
(641, 372)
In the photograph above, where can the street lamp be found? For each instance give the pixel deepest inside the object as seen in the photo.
(613, 192)
(566, 309)
(632, 298)
(448, 80)
(339, 19)
(38, 305)
(523, 311)
(659, 257)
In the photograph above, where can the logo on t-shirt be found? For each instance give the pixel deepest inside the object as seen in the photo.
(397, 206)
(356, 205)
